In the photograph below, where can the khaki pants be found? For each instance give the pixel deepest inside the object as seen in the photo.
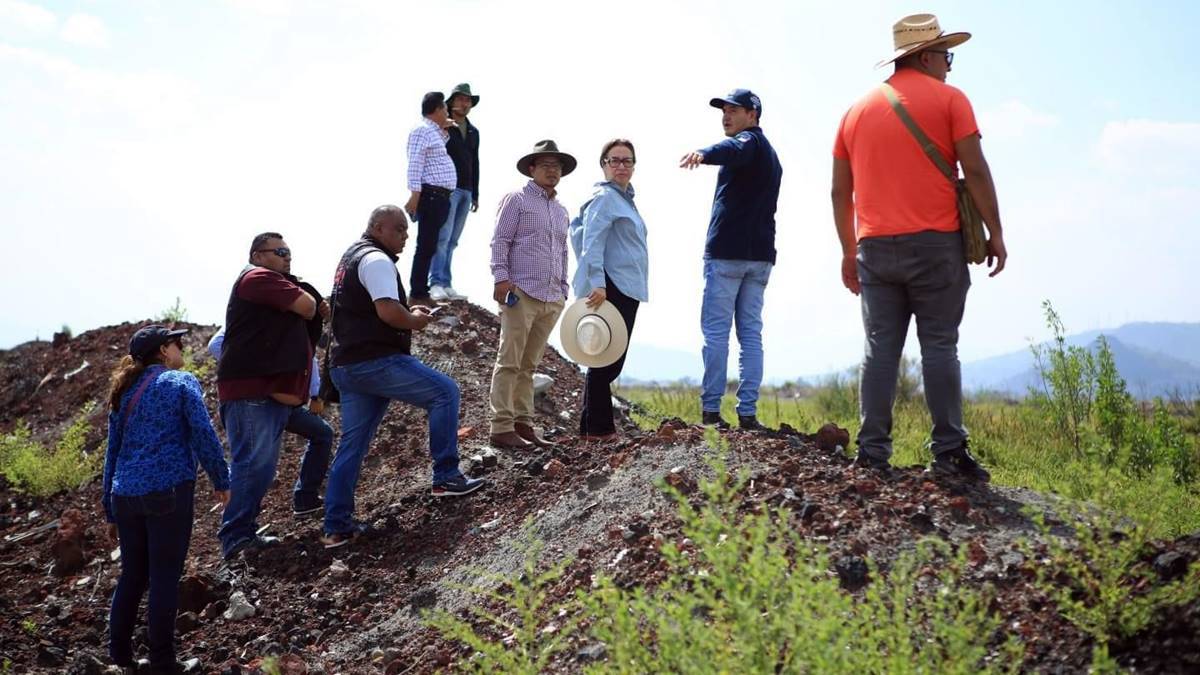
(524, 329)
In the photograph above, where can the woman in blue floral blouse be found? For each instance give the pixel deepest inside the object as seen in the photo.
(158, 428)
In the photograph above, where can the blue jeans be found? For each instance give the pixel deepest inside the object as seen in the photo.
(255, 429)
(733, 292)
(366, 389)
(316, 456)
(923, 275)
(460, 206)
(154, 530)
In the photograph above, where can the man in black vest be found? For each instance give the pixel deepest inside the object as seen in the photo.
(373, 364)
(263, 373)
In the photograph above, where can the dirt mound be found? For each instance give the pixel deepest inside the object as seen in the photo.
(358, 609)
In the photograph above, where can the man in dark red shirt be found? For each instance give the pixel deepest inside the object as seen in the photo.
(263, 373)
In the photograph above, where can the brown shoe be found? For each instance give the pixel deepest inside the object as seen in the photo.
(603, 438)
(509, 440)
(531, 435)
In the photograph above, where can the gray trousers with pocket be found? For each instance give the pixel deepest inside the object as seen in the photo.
(925, 275)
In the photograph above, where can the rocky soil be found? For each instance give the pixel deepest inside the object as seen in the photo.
(357, 609)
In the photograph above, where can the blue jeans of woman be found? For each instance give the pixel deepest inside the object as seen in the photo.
(154, 530)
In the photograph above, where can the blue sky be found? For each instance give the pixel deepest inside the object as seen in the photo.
(143, 144)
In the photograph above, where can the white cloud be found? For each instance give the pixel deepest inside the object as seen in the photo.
(1151, 147)
(85, 30)
(26, 17)
(1012, 119)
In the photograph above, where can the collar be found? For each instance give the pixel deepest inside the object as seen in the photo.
(628, 192)
(533, 189)
(433, 125)
(375, 242)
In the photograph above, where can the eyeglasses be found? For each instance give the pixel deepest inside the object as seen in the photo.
(949, 55)
(626, 162)
(549, 166)
(282, 251)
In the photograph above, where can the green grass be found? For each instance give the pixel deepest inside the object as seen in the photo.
(1015, 440)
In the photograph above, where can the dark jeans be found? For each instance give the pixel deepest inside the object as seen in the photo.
(597, 416)
(315, 462)
(924, 275)
(432, 209)
(155, 530)
(255, 429)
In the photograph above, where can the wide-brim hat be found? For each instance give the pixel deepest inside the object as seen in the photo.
(920, 31)
(593, 337)
(463, 89)
(546, 148)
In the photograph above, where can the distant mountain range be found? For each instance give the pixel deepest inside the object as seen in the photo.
(1156, 359)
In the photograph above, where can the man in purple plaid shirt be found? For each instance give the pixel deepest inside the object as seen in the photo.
(431, 179)
(529, 265)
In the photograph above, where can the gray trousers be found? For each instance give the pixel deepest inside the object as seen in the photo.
(924, 275)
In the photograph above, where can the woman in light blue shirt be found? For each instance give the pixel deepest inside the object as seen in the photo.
(609, 239)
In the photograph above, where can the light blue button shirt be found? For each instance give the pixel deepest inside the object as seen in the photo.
(609, 236)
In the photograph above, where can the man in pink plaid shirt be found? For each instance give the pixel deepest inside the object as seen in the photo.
(529, 265)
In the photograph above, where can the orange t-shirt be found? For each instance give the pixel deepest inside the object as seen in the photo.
(897, 190)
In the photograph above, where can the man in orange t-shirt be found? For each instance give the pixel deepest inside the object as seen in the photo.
(905, 257)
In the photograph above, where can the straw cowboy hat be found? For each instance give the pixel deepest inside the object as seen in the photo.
(593, 337)
(920, 31)
(546, 149)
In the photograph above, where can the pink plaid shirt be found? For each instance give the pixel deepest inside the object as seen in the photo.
(428, 161)
(529, 247)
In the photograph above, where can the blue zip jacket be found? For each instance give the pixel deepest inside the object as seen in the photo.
(742, 226)
(166, 433)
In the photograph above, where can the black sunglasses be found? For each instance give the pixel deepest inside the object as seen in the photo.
(948, 54)
(282, 251)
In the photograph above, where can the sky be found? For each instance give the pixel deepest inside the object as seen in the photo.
(144, 143)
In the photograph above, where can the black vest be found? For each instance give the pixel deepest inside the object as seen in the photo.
(261, 341)
(358, 332)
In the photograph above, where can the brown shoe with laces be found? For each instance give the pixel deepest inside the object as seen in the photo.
(509, 440)
(529, 434)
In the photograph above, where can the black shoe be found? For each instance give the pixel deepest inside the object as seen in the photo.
(252, 544)
(457, 487)
(339, 539)
(713, 419)
(865, 461)
(308, 507)
(958, 463)
(750, 423)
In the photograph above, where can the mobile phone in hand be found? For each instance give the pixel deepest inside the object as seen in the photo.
(433, 310)
(511, 299)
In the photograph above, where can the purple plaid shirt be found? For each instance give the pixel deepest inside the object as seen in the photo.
(428, 161)
(529, 247)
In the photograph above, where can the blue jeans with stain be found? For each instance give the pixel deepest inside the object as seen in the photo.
(255, 430)
(733, 293)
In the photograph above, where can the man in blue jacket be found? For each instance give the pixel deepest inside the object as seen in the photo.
(739, 253)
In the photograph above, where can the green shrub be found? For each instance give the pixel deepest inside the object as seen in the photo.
(198, 364)
(34, 469)
(1068, 382)
(176, 313)
(1115, 408)
(836, 396)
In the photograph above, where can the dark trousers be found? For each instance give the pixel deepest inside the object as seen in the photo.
(315, 461)
(155, 530)
(432, 210)
(597, 417)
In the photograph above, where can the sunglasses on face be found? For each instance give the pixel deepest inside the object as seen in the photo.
(282, 251)
(948, 54)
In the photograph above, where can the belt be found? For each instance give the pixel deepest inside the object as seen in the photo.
(435, 190)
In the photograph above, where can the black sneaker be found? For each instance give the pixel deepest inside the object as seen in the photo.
(308, 507)
(253, 543)
(865, 461)
(958, 463)
(339, 539)
(711, 419)
(457, 487)
(750, 423)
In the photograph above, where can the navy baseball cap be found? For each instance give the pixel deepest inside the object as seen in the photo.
(743, 97)
(148, 339)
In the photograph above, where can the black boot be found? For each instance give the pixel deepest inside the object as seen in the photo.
(710, 419)
(750, 423)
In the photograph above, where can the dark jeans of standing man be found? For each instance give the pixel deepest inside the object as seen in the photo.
(923, 275)
(154, 531)
(432, 209)
(597, 417)
(306, 493)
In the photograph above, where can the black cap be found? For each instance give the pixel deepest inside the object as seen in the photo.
(432, 101)
(743, 97)
(148, 339)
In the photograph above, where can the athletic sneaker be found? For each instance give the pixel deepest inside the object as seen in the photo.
(958, 463)
(457, 487)
(438, 294)
(308, 508)
(454, 295)
(338, 539)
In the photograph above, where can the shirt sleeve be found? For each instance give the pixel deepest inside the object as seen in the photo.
(962, 117)
(736, 150)
(110, 463)
(265, 287)
(377, 274)
(416, 158)
(216, 343)
(314, 382)
(205, 445)
(596, 220)
(507, 220)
